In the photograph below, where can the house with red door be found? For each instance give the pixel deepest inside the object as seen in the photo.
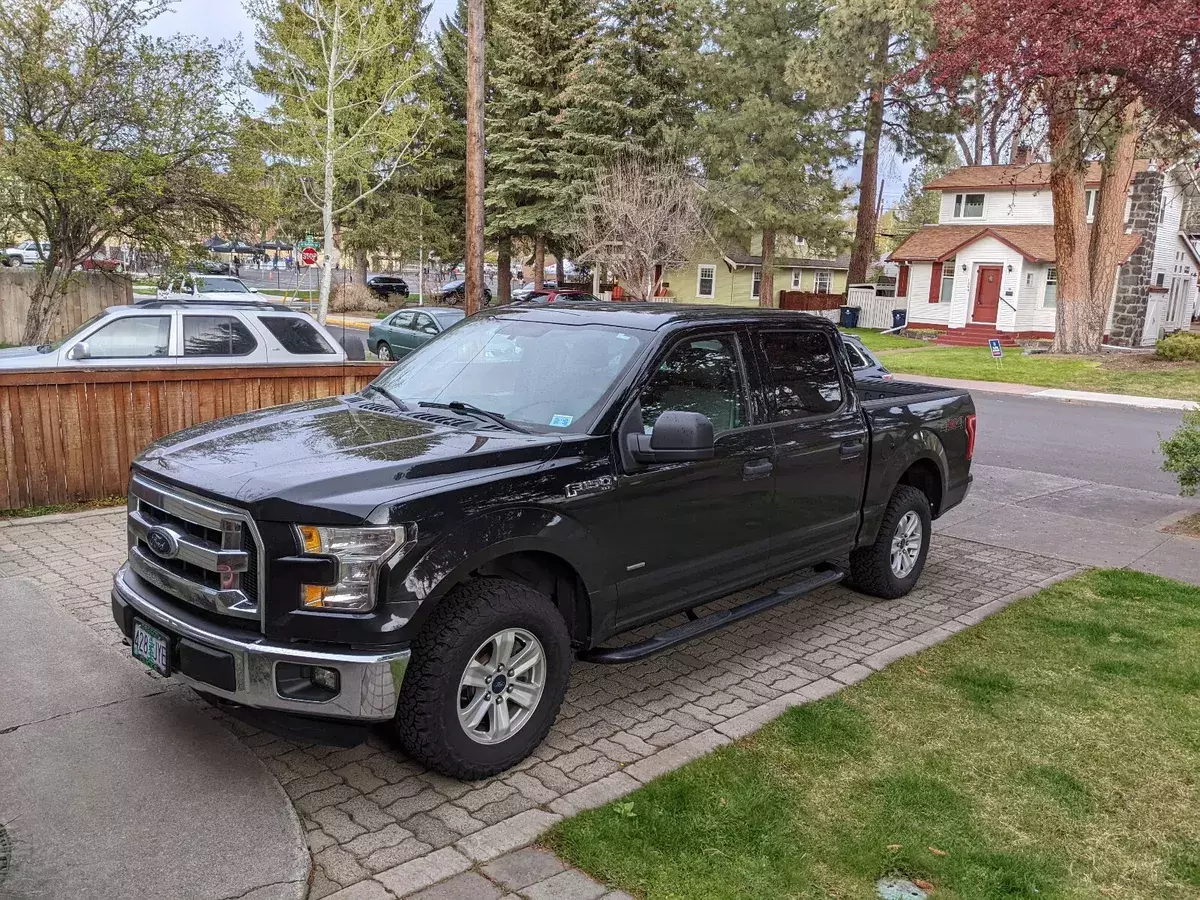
(987, 268)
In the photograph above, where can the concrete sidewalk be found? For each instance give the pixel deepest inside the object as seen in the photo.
(115, 784)
(1076, 521)
(1029, 390)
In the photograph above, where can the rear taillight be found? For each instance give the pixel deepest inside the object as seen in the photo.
(971, 436)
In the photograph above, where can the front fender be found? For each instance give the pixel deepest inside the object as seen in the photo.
(478, 540)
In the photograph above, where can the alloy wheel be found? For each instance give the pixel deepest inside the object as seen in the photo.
(501, 686)
(906, 544)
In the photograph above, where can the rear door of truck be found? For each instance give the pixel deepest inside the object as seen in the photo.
(821, 443)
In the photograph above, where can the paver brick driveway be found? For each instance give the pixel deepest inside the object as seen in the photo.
(373, 816)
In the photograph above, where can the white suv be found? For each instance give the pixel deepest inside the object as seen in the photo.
(156, 333)
(26, 253)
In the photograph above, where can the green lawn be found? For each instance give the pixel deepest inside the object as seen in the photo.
(1141, 375)
(1052, 751)
(875, 340)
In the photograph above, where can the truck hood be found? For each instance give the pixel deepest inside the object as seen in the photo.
(335, 460)
(26, 358)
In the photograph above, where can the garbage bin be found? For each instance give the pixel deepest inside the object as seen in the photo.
(850, 316)
(899, 317)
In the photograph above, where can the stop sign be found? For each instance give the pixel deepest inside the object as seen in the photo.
(308, 256)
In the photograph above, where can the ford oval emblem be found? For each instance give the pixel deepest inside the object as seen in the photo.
(163, 542)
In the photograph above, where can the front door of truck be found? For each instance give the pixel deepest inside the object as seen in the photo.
(690, 529)
(820, 446)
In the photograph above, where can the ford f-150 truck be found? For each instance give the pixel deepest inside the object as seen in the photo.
(435, 551)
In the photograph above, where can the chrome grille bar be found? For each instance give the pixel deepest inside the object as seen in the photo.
(196, 550)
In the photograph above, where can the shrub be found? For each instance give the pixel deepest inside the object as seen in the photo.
(1182, 345)
(355, 297)
(1181, 452)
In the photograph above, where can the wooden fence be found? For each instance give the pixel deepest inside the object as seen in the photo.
(810, 301)
(67, 436)
(88, 293)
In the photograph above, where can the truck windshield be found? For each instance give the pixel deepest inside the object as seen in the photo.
(549, 376)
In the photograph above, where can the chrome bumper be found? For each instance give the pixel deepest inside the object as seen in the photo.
(369, 682)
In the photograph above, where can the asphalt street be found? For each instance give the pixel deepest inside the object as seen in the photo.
(1105, 444)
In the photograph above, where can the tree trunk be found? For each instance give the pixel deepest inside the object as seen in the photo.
(1108, 226)
(863, 253)
(539, 262)
(360, 266)
(504, 269)
(473, 289)
(1072, 333)
(766, 285)
(558, 267)
(44, 305)
(978, 121)
(328, 185)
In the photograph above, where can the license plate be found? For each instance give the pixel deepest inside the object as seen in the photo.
(152, 647)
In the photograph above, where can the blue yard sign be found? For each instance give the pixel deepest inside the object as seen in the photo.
(997, 351)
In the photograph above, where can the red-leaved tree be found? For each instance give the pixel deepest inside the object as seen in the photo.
(1104, 73)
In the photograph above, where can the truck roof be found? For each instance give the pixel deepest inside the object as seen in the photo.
(652, 316)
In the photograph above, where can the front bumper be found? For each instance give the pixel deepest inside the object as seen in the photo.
(369, 681)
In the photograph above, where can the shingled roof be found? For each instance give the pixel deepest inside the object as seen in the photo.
(935, 243)
(1030, 175)
(740, 257)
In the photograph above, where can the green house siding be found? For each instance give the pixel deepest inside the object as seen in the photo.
(732, 288)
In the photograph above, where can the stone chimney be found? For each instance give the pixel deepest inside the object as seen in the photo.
(1133, 278)
(1020, 155)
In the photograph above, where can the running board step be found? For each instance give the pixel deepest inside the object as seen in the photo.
(705, 624)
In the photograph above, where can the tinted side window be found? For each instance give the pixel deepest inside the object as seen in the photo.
(131, 337)
(296, 335)
(857, 360)
(402, 320)
(424, 324)
(216, 336)
(699, 375)
(802, 377)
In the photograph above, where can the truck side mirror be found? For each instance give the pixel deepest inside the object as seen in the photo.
(79, 351)
(678, 437)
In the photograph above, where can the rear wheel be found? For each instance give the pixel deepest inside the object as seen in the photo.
(890, 567)
(384, 352)
(486, 680)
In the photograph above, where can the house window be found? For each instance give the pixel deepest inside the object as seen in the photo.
(1090, 196)
(1160, 279)
(947, 287)
(824, 282)
(796, 273)
(968, 206)
(754, 288)
(1050, 300)
(706, 282)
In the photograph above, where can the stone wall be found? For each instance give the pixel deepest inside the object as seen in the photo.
(1133, 279)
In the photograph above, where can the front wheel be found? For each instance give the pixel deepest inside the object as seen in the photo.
(384, 352)
(487, 677)
(890, 567)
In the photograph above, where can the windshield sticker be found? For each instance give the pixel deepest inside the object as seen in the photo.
(561, 421)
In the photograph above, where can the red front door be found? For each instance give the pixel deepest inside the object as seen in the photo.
(987, 294)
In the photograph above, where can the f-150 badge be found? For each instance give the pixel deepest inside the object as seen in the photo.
(594, 486)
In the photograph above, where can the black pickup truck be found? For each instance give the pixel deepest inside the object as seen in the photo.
(437, 549)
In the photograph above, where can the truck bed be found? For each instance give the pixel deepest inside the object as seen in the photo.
(881, 394)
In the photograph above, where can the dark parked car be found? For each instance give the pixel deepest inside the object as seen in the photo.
(452, 293)
(865, 364)
(403, 332)
(386, 285)
(436, 550)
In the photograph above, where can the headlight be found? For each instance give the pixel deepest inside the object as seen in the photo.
(360, 553)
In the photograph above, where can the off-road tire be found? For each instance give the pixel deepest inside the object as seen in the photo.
(871, 567)
(426, 721)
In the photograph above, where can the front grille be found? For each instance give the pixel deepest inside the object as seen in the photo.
(203, 553)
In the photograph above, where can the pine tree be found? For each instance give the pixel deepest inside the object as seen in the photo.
(534, 171)
(918, 206)
(632, 94)
(768, 150)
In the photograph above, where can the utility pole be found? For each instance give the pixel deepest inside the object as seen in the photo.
(473, 289)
